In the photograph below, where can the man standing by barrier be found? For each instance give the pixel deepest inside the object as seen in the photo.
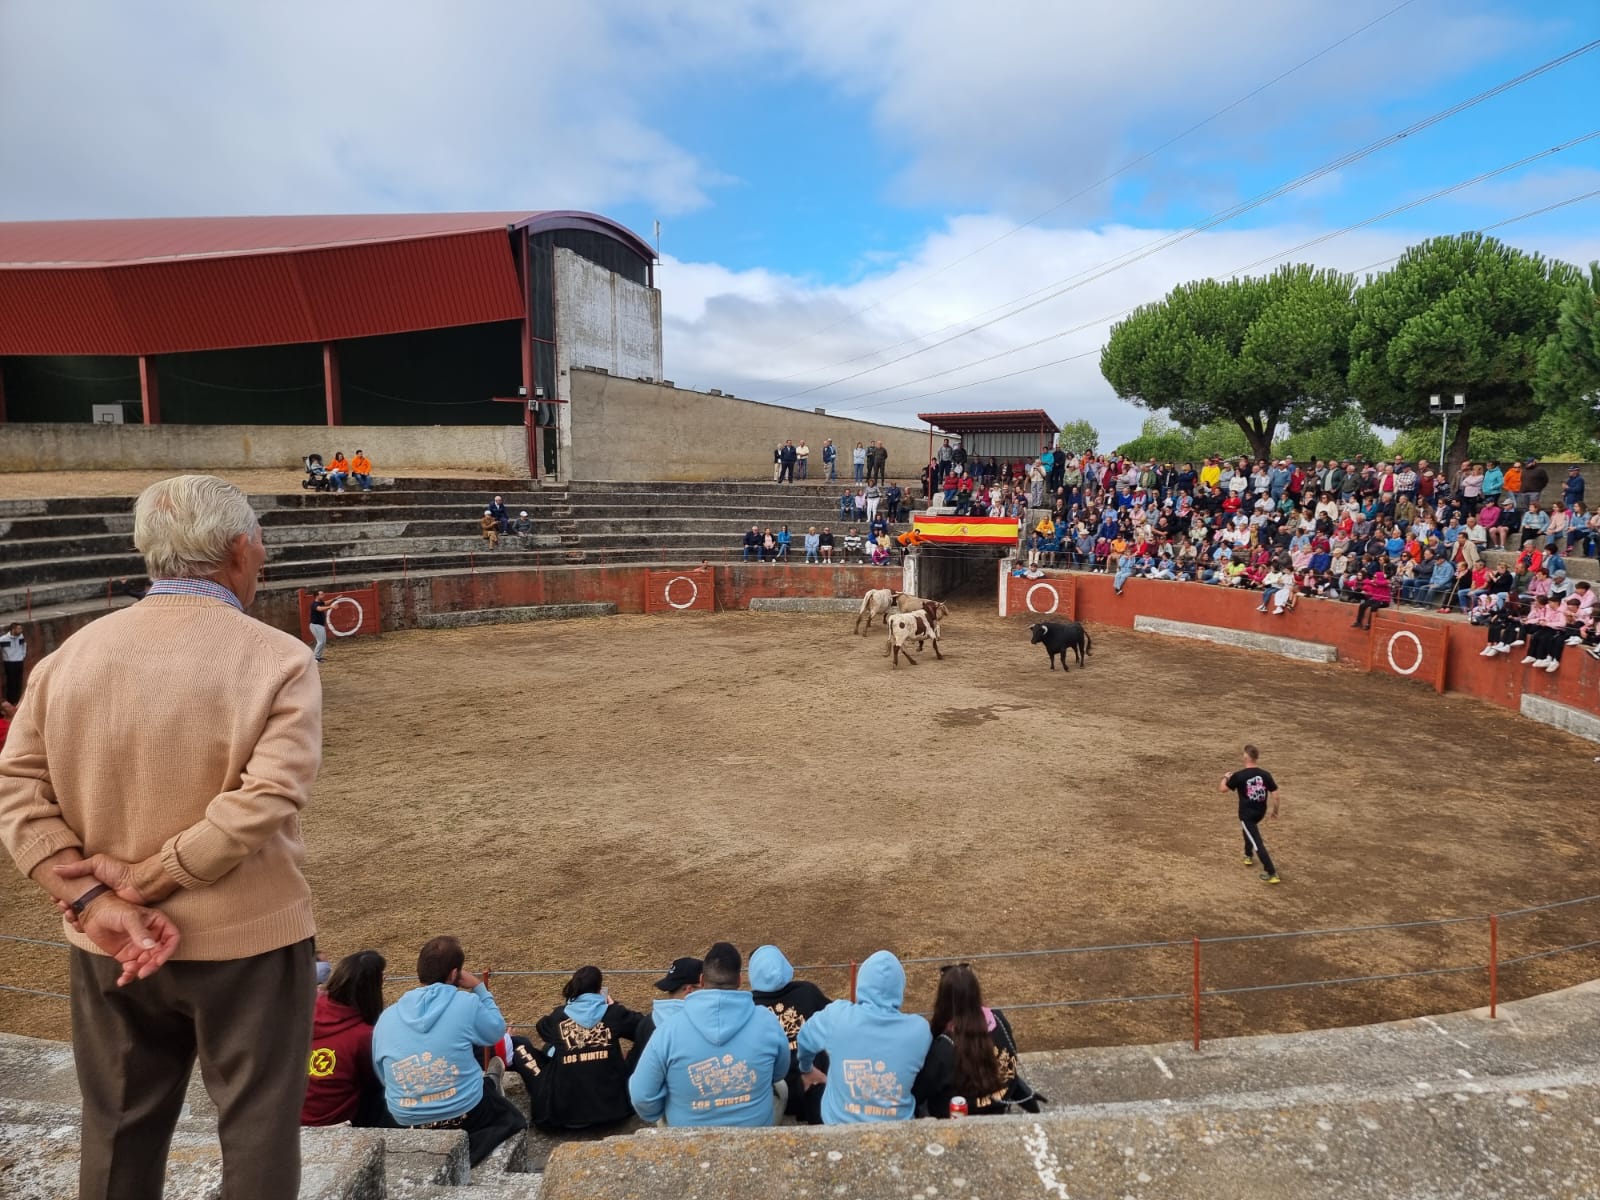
(162, 757)
(1258, 793)
(318, 619)
(14, 654)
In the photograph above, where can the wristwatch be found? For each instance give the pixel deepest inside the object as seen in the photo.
(88, 898)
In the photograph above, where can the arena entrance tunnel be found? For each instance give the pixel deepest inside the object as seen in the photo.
(949, 551)
(940, 571)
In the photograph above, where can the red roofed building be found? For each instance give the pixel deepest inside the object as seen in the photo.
(399, 319)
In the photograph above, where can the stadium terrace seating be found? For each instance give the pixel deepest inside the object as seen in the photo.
(59, 555)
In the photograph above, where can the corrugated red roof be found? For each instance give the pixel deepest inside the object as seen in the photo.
(1005, 420)
(167, 285)
(119, 242)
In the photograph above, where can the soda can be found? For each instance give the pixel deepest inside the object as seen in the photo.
(958, 1107)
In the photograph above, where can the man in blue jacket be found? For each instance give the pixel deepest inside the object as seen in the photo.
(720, 1061)
(874, 1050)
(424, 1049)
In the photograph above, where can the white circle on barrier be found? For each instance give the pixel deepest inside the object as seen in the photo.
(694, 592)
(361, 616)
(1055, 598)
(1415, 641)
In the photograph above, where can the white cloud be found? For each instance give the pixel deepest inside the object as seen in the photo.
(768, 337)
(1013, 106)
(185, 106)
(170, 106)
(1534, 189)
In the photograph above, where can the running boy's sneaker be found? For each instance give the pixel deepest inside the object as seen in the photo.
(1265, 878)
(1248, 861)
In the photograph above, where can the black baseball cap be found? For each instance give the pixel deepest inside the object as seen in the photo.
(682, 973)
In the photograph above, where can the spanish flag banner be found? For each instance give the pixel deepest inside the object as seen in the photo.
(966, 531)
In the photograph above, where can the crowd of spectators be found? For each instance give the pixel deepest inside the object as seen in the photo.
(1372, 534)
(869, 516)
(709, 1052)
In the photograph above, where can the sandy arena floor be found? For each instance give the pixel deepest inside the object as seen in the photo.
(625, 790)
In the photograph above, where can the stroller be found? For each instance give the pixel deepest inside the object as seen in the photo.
(316, 479)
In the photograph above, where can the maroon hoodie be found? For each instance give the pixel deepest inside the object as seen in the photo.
(341, 1063)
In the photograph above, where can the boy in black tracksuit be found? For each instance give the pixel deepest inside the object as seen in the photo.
(793, 1001)
(1258, 792)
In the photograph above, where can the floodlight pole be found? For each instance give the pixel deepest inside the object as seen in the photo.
(1457, 406)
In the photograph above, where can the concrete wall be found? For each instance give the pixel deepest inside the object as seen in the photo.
(499, 450)
(626, 429)
(604, 321)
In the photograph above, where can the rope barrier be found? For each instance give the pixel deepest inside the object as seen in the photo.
(990, 956)
(28, 941)
(6, 987)
(1294, 933)
(1548, 953)
(1306, 983)
(1517, 912)
(1098, 1000)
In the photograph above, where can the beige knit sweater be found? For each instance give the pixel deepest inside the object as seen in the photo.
(181, 726)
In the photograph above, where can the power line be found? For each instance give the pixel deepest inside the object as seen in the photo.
(1092, 274)
(1274, 257)
(1524, 216)
(1084, 191)
(1537, 212)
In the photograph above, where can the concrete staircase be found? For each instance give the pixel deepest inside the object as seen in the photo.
(1450, 1106)
(69, 554)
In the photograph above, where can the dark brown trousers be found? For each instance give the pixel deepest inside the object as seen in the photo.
(247, 1020)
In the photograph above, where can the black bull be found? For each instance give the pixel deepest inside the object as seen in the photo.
(1059, 637)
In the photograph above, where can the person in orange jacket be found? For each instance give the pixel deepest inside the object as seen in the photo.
(338, 470)
(361, 470)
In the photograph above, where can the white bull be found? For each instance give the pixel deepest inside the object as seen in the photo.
(879, 602)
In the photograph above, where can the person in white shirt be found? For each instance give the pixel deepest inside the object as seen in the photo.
(13, 653)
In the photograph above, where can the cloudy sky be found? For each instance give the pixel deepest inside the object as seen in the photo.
(877, 208)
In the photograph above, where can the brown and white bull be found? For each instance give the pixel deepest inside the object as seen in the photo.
(920, 627)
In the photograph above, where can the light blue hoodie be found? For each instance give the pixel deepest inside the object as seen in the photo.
(714, 1063)
(587, 1010)
(770, 971)
(423, 1047)
(874, 1049)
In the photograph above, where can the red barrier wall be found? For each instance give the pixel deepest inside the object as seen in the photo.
(355, 611)
(396, 603)
(1446, 653)
(688, 590)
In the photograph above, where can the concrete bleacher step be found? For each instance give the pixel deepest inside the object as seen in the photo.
(497, 1187)
(516, 615)
(1534, 1142)
(39, 1158)
(1577, 568)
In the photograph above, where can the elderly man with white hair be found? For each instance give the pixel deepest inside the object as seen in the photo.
(152, 785)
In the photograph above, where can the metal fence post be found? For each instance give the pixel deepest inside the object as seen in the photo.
(1197, 994)
(1494, 963)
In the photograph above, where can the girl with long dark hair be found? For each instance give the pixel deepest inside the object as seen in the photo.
(343, 1085)
(974, 1053)
(579, 1079)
